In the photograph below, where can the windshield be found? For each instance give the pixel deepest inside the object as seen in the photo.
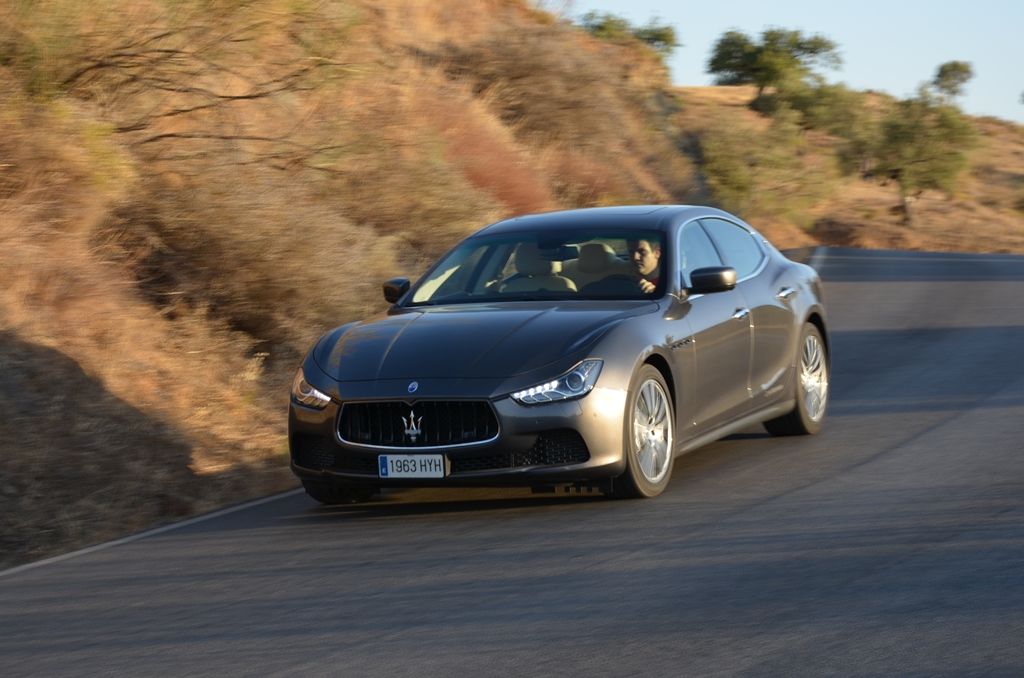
(620, 264)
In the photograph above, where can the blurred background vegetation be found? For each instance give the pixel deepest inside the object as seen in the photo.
(191, 191)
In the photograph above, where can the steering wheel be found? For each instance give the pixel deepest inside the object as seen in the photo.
(617, 283)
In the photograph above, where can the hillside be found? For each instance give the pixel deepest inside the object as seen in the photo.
(985, 214)
(191, 192)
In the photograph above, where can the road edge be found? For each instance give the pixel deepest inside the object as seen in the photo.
(817, 257)
(149, 533)
(811, 256)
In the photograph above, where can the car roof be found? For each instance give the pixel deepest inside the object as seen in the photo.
(631, 216)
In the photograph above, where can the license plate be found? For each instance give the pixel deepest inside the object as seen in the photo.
(411, 465)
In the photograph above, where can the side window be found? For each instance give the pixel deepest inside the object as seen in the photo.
(737, 247)
(696, 251)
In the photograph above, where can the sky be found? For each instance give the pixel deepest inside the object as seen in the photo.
(887, 45)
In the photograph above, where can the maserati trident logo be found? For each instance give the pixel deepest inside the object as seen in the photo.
(412, 426)
(413, 385)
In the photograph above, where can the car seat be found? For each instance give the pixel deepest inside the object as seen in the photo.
(534, 273)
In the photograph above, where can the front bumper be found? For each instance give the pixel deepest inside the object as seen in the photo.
(577, 441)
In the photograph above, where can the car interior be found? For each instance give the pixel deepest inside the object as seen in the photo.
(598, 267)
(591, 268)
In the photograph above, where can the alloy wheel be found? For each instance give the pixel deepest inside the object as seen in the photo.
(814, 377)
(652, 431)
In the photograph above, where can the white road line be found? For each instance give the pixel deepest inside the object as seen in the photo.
(149, 533)
(968, 258)
(817, 258)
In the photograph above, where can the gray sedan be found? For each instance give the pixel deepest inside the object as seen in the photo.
(581, 349)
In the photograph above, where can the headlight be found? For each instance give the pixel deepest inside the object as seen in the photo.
(306, 394)
(575, 383)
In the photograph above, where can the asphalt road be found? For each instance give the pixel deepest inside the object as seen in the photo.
(891, 544)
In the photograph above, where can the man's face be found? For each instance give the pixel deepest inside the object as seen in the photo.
(645, 256)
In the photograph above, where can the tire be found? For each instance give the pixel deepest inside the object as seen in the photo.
(332, 494)
(812, 388)
(648, 466)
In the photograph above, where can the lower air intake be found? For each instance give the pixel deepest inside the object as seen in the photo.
(552, 448)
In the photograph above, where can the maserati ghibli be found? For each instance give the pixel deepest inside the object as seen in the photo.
(583, 349)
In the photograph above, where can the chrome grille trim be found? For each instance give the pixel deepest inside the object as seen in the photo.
(405, 406)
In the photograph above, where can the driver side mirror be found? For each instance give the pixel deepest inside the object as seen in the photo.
(395, 288)
(712, 279)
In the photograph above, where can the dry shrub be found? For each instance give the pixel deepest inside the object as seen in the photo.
(264, 256)
(391, 173)
(559, 89)
(580, 180)
(765, 174)
(415, 22)
(546, 90)
(487, 153)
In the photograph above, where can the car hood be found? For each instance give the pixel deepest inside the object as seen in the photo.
(479, 341)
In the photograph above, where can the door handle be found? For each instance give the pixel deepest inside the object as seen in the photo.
(741, 314)
(786, 293)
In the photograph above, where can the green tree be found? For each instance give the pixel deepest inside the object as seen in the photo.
(661, 37)
(843, 113)
(951, 77)
(761, 172)
(922, 146)
(606, 26)
(859, 137)
(781, 56)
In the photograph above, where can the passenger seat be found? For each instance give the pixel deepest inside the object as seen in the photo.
(535, 273)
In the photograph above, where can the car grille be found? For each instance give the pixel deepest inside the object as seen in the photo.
(445, 423)
(552, 448)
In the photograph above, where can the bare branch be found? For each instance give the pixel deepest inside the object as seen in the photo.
(221, 137)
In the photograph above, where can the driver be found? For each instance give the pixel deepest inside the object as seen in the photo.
(646, 258)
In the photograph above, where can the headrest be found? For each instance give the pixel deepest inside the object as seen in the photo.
(530, 262)
(596, 257)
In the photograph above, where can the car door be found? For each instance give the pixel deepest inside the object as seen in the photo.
(719, 352)
(771, 317)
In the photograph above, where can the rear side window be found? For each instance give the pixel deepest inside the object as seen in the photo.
(696, 251)
(736, 245)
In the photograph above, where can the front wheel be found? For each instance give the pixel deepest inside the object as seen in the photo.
(648, 443)
(812, 375)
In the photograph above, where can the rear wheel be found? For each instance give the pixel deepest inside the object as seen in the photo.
(812, 374)
(330, 493)
(648, 443)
